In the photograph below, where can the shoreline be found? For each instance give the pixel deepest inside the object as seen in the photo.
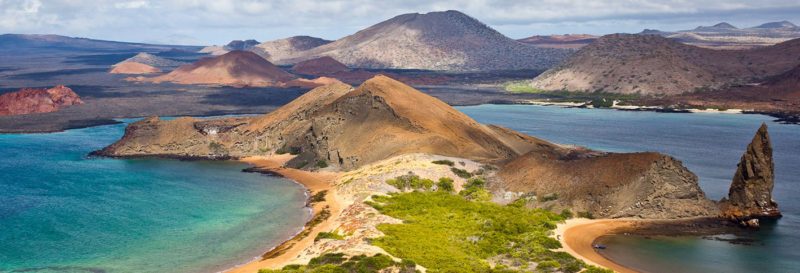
(578, 236)
(284, 252)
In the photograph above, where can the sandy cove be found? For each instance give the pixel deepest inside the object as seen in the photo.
(314, 182)
(577, 237)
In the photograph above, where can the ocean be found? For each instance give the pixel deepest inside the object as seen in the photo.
(61, 211)
(710, 145)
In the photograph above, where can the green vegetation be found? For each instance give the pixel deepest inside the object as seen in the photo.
(585, 214)
(459, 235)
(264, 150)
(216, 147)
(318, 197)
(282, 150)
(445, 184)
(323, 215)
(328, 235)
(566, 214)
(601, 103)
(550, 197)
(474, 190)
(461, 172)
(294, 151)
(489, 167)
(444, 162)
(338, 263)
(411, 181)
(322, 164)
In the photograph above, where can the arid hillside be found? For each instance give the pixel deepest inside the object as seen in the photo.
(347, 128)
(29, 101)
(133, 68)
(561, 41)
(654, 65)
(278, 50)
(448, 40)
(234, 68)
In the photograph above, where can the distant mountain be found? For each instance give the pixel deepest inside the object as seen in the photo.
(560, 41)
(233, 68)
(241, 45)
(133, 68)
(320, 66)
(151, 60)
(38, 42)
(726, 36)
(654, 65)
(781, 24)
(448, 40)
(287, 47)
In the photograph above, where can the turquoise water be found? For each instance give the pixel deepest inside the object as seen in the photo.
(710, 145)
(63, 212)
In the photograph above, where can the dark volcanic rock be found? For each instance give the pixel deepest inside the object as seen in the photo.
(750, 195)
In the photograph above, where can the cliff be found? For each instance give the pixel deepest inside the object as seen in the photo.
(29, 101)
(750, 195)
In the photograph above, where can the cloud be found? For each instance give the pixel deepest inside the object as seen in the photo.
(218, 21)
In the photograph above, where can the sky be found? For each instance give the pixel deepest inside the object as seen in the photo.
(216, 22)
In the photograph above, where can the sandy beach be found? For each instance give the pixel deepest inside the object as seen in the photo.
(578, 235)
(315, 182)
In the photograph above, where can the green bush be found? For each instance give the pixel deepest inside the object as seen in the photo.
(445, 184)
(566, 214)
(444, 162)
(318, 197)
(549, 264)
(446, 233)
(322, 164)
(411, 181)
(595, 269)
(338, 263)
(550, 197)
(461, 172)
(282, 150)
(585, 214)
(328, 235)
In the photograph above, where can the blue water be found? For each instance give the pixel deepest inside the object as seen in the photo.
(710, 145)
(63, 212)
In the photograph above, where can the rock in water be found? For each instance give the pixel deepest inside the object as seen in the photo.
(750, 195)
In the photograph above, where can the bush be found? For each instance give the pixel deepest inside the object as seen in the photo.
(549, 264)
(338, 263)
(444, 162)
(585, 214)
(322, 164)
(445, 184)
(410, 181)
(446, 233)
(328, 235)
(550, 197)
(461, 172)
(282, 150)
(318, 197)
(566, 214)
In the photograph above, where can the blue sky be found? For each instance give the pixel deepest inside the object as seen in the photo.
(206, 22)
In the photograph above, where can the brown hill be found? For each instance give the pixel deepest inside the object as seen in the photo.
(560, 41)
(151, 60)
(278, 50)
(349, 127)
(133, 68)
(329, 67)
(319, 67)
(653, 65)
(28, 101)
(236, 68)
(448, 40)
(780, 93)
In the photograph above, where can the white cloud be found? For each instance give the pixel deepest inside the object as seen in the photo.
(218, 21)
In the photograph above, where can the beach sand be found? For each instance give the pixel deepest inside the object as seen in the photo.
(315, 182)
(577, 237)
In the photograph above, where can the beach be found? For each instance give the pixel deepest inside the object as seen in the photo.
(577, 238)
(314, 182)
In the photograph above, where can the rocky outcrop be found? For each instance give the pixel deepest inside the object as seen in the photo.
(608, 185)
(28, 101)
(284, 48)
(750, 195)
(133, 68)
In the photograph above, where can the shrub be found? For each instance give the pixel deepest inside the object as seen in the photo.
(446, 233)
(566, 214)
(328, 235)
(595, 269)
(444, 162)
(322, 164)
(282, 150)
(445, 184)
(549, 264)
(461, 172)
(410, 181)
(215, 147)
(318, 197)
(550, 197)
(585, 214)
